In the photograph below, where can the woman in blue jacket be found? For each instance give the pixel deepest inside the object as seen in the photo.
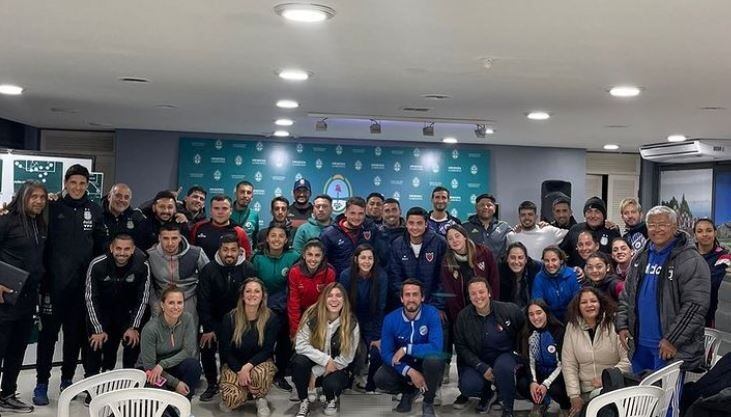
(556, 284)
(367, 286)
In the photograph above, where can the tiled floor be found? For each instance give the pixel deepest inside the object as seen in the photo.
(356, 404)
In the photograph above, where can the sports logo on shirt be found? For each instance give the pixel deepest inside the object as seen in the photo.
(429, 256)
(130, 278)
(367, 235)
(130, 224)
(284, 271)
(423, 330)
(87, 214)
(551, 349)
(455, 274)
(481, 265)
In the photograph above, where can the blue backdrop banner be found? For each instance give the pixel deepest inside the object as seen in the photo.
(406, 173)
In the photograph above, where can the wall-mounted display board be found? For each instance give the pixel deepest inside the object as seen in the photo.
(18, 166)
(407, 173)
(722, 206)
(689, 192)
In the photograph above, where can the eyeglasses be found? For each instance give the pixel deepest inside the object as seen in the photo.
(658, 226)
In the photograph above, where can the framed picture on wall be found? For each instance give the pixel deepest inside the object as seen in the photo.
(689, 192)
(722, 205)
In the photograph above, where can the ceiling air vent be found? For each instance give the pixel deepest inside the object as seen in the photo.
(416, 109)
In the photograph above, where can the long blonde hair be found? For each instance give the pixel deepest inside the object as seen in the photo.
(450, 259)
(317, 313)
(241, 323)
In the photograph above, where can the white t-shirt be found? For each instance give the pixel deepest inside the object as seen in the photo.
(537, 239)
(416, 248)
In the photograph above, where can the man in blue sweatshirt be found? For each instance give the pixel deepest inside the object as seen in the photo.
(411, 349)
(665, 298)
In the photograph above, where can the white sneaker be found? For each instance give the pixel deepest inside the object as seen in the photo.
(331, 408)
(304, 410)
(312, 395)
(438, 397)
(262, 407)
(293, 396)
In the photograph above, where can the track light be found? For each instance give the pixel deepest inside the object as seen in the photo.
(480, 131)
(428, 129)
(375, 127)
(320, 125)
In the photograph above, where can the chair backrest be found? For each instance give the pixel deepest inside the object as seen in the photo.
(630, 402)
(711, 342)
(138, 402)
(99, 384)
(668, 379)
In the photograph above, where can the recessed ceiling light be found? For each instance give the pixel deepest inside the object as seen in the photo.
(287, 104)
(611, 147)
(625, 91)
(538, 115)
(677, 138)
(281, 133)
(450, 140)
(63, 110)
(166, 106)
(293, 75)
(304, 12)
(436, 96)
(11, 90)
(138, 80)
(284, 122)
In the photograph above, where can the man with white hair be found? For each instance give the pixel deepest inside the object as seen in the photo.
(667, 292)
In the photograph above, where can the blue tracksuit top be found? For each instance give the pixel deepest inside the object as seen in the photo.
(370, 323)
(648, 312)
(339, 246)
(556, 290)
(422, 337)
(426, 268)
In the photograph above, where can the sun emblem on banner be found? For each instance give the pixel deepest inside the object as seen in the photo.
(358, 165)
(454, 212)
(338, 187)
(298, 176)
(318, 163)
(197, 159)
(397, 166)
(435, 168)
(473, 199)
(277, 192)
(257, 206)
(259, 146)
(257, 176)
(455, 154)
(454, 183)
(377, 151)
(417, 152)
(217, 175)
(218, 145)
(238, 160)
(377, 181)
(300, 148)
(473, 170)
(415, 182)
(397, 195)
(339, 150)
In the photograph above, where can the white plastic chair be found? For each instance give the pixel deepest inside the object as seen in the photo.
(138, 402)
(669, 379)
(712, 343)
(630, 402)
(99, 384)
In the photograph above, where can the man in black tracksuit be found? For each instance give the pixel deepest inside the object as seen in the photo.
(117, 290)
(76, 233)
(119, 217)
(218, 293)
(22, 240)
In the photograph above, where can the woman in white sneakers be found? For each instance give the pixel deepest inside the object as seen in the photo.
(325, 345)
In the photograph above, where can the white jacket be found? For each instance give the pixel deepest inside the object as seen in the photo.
(321, 358)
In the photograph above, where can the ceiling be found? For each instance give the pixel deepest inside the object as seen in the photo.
(216, 62)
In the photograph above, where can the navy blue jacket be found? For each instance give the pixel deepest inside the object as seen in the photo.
(370, 321)
(339, 246)
(426, 268)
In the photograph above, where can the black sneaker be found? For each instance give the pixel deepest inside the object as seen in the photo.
(282, 383)
(12, 404)
(427, 410)
(460, 403)
(407, 400)
(209, 393)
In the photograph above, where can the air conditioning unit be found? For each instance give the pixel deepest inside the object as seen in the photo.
(699, 150)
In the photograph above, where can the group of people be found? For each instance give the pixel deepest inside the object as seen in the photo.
(368, 300)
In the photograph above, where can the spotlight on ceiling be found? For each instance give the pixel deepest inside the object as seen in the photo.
(304, 12)
(320, 125)
(481, 130)
(375, 127)
(428, 129)
(281, 133)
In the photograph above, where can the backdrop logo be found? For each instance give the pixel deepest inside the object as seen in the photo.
(473, 198)
(318, 163)
(300, 148)
(377, 151)
(397, 166)
(454, 212)
(277, 192)
(339, 150)
(197, 159)
(473, 169)
(435, 168)
(358, 165)
(259, 146)
(218, 145)
(338, 187)
(455, 183)
(377, 181)
(417, 152)
(217, 175)
(238, 160)
(455, 154)
(258, 176)
(298, 176)
(415, 182)
(397, 195)
(257, 206)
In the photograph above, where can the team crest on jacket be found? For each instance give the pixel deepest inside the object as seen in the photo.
(87, 214)
(551, 349)
(481, 265)
(367, 235)
(423, 330)
(284, 271)
(429, 256)
(455, 274)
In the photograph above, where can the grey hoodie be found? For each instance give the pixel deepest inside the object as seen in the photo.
(683, 296)
(168, 346)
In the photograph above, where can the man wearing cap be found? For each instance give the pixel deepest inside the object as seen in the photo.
(374, 208)
(164, 211)
(485, 229)
(563, 217)
(301, 209)
(321, 218)
(76, 234)
(119, 216)
(595, 215)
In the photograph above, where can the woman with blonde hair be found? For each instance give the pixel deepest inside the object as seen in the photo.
(248, 334)
(326, 342)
